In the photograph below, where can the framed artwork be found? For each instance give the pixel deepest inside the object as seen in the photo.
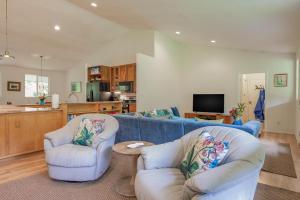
(76, 87)
(280, 80)
(13, 86)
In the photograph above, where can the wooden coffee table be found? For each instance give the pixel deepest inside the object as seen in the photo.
(125, 186)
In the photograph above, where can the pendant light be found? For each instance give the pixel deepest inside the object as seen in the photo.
(41, 76)
(6, 52)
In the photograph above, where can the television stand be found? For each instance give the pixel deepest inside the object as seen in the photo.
(210, 116)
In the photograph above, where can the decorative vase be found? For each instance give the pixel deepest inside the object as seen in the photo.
(42, 101)
(237, 121)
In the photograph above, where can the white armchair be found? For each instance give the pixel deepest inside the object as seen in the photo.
(236, 178)
(70, 162)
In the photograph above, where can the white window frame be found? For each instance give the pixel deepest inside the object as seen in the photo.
(37, 77)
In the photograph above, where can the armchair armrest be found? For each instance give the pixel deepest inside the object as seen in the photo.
(163, 155)
(59, 137)
(222, 177)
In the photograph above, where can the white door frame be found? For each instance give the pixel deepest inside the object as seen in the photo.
(267, 81)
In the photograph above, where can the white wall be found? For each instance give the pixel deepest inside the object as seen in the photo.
(298, 96)
(12, 73)
(177, 71)
(214, 70)
(168, 73)
(159, 80)
(119, 51)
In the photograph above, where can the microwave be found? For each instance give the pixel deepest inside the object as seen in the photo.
(126, 87)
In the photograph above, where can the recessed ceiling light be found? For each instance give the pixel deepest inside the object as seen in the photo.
(177, 33)
(94, 4)
(57, 28)
(213, 41)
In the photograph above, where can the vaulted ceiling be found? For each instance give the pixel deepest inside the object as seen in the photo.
(261, 25)
(31, 32)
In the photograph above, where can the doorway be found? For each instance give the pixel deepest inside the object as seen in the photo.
(251, 86)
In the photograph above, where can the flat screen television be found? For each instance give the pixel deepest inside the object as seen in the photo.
(213, 103)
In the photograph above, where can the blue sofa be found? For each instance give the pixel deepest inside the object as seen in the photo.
(160, 131)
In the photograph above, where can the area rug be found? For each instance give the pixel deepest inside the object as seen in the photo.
(266, 192)
(279, 159)
(41, 187)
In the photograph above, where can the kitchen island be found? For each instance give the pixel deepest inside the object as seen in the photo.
(22, 129)
(71, 110)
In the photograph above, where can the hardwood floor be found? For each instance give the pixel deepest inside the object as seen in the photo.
(27, 165)
(280, 181)
(22, 166)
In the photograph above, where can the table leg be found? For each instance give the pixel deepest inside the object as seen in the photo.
(125, 186)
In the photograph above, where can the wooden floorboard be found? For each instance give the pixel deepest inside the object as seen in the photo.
(34, 163)
(22, 166)
(280, 181)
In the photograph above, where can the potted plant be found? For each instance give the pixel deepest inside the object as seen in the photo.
(237, 113)
(42, 99)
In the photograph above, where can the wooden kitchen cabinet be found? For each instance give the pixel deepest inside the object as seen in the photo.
(105, 73)
(122, 73)
(132, 107)
(3, 138)
(130, 72)
(115, 74)
(22, 131)
(46, 125)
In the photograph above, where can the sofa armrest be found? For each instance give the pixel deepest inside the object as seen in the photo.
(222, 177)
(163, 156)
(255, 127)
(59, 137)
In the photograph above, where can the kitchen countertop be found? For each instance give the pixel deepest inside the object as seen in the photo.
(96, 102)
(8, 109)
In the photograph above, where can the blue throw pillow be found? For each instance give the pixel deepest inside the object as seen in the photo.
(175, 111)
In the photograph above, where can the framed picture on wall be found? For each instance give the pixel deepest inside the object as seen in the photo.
(13, 86)
(76, 87)
(280, 80)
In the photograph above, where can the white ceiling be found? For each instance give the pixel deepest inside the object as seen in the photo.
(31, 32)
(263, 25)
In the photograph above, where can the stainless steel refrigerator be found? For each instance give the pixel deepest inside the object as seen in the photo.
(98, 91)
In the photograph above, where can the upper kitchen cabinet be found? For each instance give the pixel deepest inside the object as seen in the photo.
(123, 73)
(105, 73)
(115, 73)
(131, 72)
(99, 73)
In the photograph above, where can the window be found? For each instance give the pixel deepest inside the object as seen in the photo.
(36, 85)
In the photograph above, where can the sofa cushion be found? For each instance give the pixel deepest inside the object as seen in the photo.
(129, 128)
(203, 154)
(88, 132)
(158, 184)
(160, 131)
(70, 155)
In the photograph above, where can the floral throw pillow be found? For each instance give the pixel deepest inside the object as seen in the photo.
(164, 113)
(88, 131)
(204, 154)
